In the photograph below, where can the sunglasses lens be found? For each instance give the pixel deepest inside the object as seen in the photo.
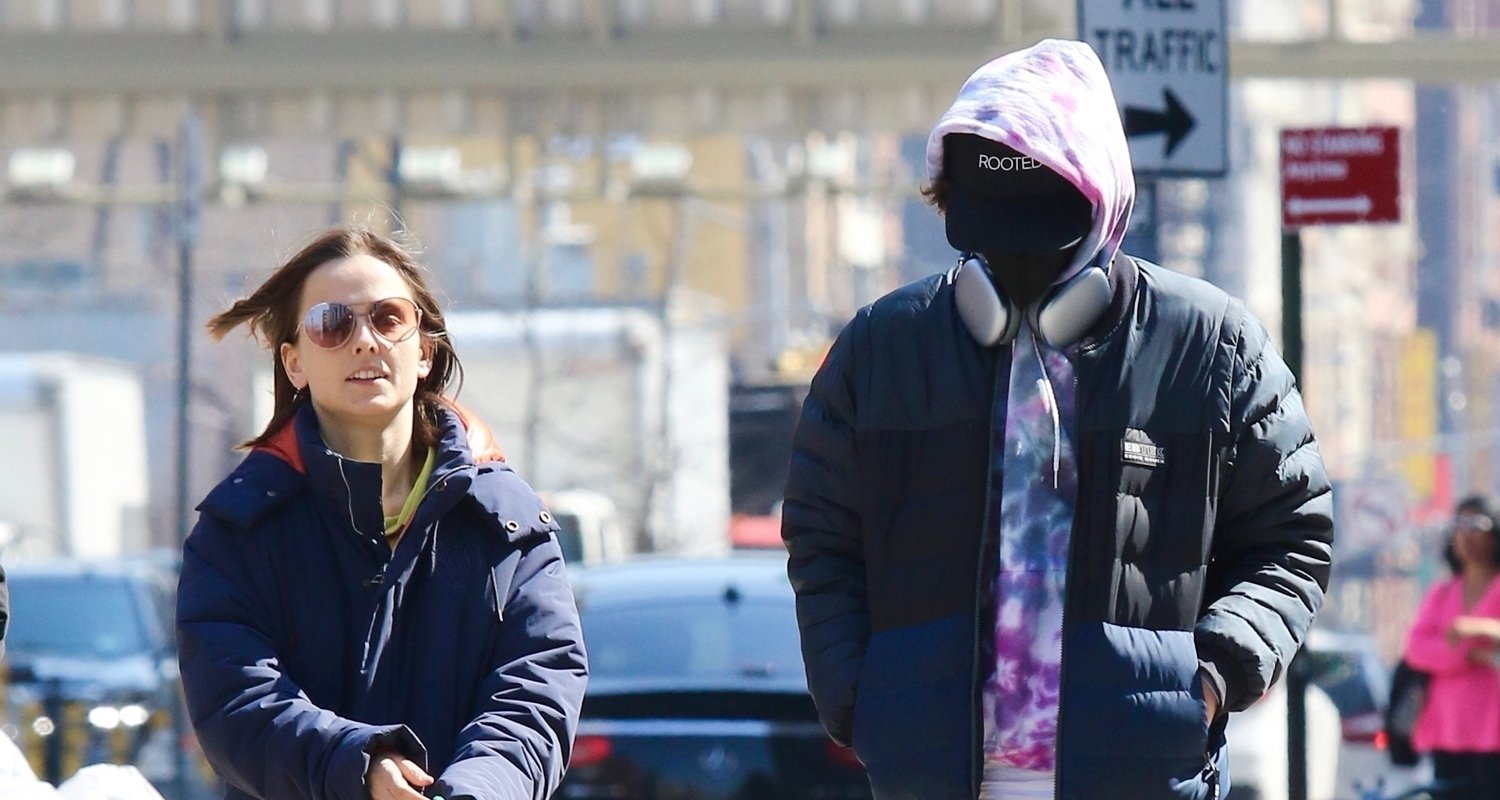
(394, 319)
(329, 324)
(1473, 522)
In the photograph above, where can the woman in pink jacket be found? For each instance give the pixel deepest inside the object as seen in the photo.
(1456, 638)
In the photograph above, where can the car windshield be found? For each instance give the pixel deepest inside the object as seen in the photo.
(695, 639)
(78, 616)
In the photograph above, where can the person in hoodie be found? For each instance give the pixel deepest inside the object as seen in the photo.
(372, 604)
(1050, 514)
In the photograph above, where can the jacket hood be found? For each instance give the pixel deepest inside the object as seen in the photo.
(1053, 102)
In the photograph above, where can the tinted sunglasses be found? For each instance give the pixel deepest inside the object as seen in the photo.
(1472, 522)
(331, 325)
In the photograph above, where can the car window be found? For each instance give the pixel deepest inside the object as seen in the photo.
(165, 601)
(1355, 686)
(79, 616)
(710, 638)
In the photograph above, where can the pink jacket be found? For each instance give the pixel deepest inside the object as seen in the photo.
(1462, 713)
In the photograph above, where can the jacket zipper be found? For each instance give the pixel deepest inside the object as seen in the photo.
(435, 480)
(386, 555)
(1062, 672)
(386, 552)
(976, 749)
(1068, 577)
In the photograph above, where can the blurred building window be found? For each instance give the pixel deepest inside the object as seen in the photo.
(951, 12)
(96, 14)
(249, 14)
(884, 12)
(175, 15)
(544, 16)
(840, 13)
(34, 15)
(439, 13)
(316, 14)
(374, 13)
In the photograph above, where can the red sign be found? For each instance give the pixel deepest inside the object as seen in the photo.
(1332, 176)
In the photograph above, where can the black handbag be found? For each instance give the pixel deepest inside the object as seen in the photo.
(1408, 695)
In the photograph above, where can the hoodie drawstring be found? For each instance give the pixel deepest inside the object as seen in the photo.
(1049, 399)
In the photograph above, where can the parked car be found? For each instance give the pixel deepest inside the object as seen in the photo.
(1258, 747)
(1348, 666)
(92, 664)
(1345, 710)
(696, 687)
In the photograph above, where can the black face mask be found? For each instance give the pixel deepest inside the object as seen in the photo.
(1025, 277)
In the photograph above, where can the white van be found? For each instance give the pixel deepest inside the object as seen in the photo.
(589, 527)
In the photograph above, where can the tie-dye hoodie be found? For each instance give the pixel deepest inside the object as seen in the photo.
(1051, 102)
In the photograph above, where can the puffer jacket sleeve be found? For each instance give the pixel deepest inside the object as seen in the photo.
(519, 742)
(259, 730)
(1272, 547)
(822, 530)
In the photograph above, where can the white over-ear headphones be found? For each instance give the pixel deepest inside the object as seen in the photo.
(1061, 317)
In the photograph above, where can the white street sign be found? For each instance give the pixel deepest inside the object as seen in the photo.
(1302, 206)
(1168, 61)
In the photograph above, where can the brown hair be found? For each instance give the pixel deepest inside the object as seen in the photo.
(936, 194)
(271, 312)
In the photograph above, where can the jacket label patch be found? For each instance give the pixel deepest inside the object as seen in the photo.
(1144, 454)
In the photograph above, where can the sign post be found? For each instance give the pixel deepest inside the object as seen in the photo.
(1329, 176)
(1168, 64)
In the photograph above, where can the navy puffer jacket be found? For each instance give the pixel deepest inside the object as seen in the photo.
(306, 645)
(1215, 558)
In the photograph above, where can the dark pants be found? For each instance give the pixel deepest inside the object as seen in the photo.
(1472, 776)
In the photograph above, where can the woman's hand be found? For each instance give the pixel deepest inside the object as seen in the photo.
(392, 777)
(1468, 627)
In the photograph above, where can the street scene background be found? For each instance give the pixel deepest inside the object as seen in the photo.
(646, 220)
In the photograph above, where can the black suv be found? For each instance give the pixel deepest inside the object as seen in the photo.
(92, 664)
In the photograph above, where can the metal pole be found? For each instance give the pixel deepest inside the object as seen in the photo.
(398, 189)
(52, 708)
(1296, 674)
(1297, 680)
(536, 265)
(190, 186)
(1291, 301)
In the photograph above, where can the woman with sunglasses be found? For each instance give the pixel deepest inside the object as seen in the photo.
(372, 605)
(1455, 640)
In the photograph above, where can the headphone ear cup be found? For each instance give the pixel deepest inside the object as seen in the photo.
(1067, 312)
(985, 310)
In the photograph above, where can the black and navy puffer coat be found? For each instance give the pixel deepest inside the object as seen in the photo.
(1212, 551)
(308, 646)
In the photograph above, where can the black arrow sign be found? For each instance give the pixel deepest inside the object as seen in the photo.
(1175, 122)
